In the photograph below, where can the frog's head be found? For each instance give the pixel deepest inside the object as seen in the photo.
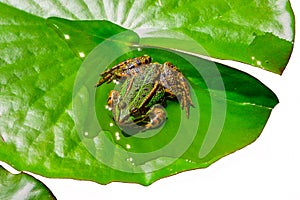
(122, 112)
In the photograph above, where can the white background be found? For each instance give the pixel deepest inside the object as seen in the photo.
(267, 169)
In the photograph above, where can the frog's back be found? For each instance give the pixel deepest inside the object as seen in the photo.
(137, 87)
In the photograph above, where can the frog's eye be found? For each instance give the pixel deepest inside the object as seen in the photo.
(122, 105)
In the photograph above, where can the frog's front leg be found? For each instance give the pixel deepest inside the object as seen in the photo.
(157, 117)
(113, 99)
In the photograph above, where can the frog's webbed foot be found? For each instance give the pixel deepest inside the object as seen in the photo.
(119, 70)
(157, 117)
(108, 78)
(176, 86)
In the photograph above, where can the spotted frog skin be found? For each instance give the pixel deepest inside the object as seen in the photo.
(144, 88)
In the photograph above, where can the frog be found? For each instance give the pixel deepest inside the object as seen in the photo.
(144, 88)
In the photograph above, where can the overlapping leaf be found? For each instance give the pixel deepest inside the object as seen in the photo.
(260, 33)
(22, 186)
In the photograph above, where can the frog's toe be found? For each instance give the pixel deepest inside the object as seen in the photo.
(157, 117)
(185, 103)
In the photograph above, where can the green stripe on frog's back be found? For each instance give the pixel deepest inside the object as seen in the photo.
(142, 87)
(157, 98)
(143, 84)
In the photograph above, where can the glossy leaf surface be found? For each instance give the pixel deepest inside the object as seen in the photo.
(257, 32)
(22, 186)
(45, 90)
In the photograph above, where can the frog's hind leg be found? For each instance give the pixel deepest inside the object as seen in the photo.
(118, 71)
(108, 78)
(176, 85)
(157, 116)
(104, 79)
(128, 64)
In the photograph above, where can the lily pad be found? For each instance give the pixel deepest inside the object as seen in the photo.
(22, 186)
(47, 90)
(259, 32)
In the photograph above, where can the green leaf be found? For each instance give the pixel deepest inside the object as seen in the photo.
(90, 35)
(22, 186)
(50, 109)
(260, 33)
